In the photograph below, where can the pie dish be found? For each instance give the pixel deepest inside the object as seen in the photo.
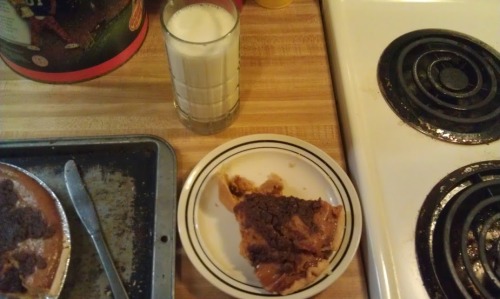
(35, 250)
(210, 234)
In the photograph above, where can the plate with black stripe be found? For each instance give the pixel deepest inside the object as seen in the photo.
(210, 233)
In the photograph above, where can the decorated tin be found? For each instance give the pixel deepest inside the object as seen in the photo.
(64, 41)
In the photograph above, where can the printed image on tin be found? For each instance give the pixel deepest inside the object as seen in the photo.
(66, 35)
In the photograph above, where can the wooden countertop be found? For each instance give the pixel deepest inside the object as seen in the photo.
(285, 84)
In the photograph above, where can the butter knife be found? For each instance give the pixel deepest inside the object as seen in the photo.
(86, 211)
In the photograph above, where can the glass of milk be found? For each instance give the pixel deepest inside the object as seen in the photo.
(203, 46)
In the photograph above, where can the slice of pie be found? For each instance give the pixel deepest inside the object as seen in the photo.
(286, 239)
(31, 236)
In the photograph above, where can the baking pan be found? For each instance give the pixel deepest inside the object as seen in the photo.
(132, 180)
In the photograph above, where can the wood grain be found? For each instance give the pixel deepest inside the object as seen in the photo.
(285, 86)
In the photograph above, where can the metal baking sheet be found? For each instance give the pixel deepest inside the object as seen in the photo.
(132, 180)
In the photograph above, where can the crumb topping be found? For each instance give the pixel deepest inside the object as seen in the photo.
(18, 224)
(271, 218)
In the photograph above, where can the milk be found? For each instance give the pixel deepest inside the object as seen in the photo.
(203, 50)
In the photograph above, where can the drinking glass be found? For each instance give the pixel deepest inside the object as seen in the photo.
(202, 39)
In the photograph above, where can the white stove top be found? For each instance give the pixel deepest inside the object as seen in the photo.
(394, 166)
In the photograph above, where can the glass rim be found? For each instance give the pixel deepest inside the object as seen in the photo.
(165, 29)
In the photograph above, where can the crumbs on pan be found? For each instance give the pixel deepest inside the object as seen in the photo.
(113, 193)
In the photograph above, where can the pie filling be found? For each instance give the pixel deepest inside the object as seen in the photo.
(26, 263)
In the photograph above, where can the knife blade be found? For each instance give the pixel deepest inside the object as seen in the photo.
(86, 211)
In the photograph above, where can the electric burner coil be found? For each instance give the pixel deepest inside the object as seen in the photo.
(458, 234)
(444, 84)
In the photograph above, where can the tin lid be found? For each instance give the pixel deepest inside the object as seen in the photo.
(273, 3)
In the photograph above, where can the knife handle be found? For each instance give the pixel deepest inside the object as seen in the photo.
(109, 267)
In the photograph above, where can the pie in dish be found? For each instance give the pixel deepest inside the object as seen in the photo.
(287, 240)
(31, 236)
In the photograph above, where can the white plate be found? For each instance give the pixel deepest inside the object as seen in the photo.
(210, 234)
